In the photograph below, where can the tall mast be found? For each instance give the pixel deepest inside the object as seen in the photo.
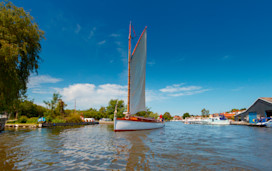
(129, 53)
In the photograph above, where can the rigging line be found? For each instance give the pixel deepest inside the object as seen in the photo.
(133, 31)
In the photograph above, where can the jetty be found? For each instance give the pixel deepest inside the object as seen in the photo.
(246, 123)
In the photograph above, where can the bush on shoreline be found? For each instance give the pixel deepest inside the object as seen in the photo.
(32, 120)
(22, 119)
(73, 118)
(58, 120)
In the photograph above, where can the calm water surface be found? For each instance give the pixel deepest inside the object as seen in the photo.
(175, 147)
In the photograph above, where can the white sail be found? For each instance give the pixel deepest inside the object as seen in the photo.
(137, 73)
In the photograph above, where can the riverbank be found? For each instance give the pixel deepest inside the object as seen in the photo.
(33, 125)
(22, 125)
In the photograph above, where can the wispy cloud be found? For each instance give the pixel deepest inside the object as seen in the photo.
(37, 81)
(78, 28)
(151, 63)
(101, 42)
(226, 57)
(188, 93)
(115, 35)
(180, 90)
(92, 32)
(238, 89)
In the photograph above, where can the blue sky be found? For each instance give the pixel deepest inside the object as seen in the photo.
(201, 54)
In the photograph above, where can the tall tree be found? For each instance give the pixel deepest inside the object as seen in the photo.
(185, 115)
(167, 116)
(20, 46)
(120, 108)
(53, 105)
(205, 112)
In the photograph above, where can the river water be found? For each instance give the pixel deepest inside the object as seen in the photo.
(175, 147)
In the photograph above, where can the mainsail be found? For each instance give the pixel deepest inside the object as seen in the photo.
(137, 76)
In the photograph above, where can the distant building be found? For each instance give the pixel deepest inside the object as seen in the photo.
(177, 117)
(262, 107)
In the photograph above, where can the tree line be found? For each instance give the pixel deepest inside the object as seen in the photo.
(28, 112)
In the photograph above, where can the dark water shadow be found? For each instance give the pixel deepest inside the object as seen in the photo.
(137, 152)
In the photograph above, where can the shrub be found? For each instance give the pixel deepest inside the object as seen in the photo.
(74, 118)
(22, 119)
(58, 120)
(11, 122)
(49, 119)
(32, 120)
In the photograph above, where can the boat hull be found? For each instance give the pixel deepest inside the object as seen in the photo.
(221, 122)
(130, 125)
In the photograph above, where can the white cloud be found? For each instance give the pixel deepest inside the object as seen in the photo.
(180, 90)
(238, 89)
(78, 28)
(36, 81)
(118, 43)
(151, 63)
(101, 42)
(114, 35)
(152, 95)
(225, 57)
(188, 93)
(92, 32)
(90, 95)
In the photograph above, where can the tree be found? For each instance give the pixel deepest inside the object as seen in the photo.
(167, 116)
(120, 108)
(205, 112)
(185, 115)
(20, 46)
(145, 114)
(154, 115)
(103, 112)
(53, 106)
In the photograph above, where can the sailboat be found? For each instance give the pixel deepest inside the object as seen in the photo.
(136, 90)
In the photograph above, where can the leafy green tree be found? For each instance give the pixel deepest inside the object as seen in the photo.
(20, 46)
(145, 114)
(167, 116)
(103, 112)
(154, 115)
(120, 108)
(185, 115)
(52, 106)
(205, 112)
(60, 107)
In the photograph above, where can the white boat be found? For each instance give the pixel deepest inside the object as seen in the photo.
(217, 121)
(136, 90)
(269, 124)
(208, 121)
(3, 120)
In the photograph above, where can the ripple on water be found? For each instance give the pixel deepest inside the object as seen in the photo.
(97, 147)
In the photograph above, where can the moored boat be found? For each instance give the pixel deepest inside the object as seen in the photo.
(217, 121)
(136, 90)
(136, 123)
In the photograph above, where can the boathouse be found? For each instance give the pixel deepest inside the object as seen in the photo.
(262, 107)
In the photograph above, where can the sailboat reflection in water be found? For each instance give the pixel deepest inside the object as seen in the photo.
(136, 90)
